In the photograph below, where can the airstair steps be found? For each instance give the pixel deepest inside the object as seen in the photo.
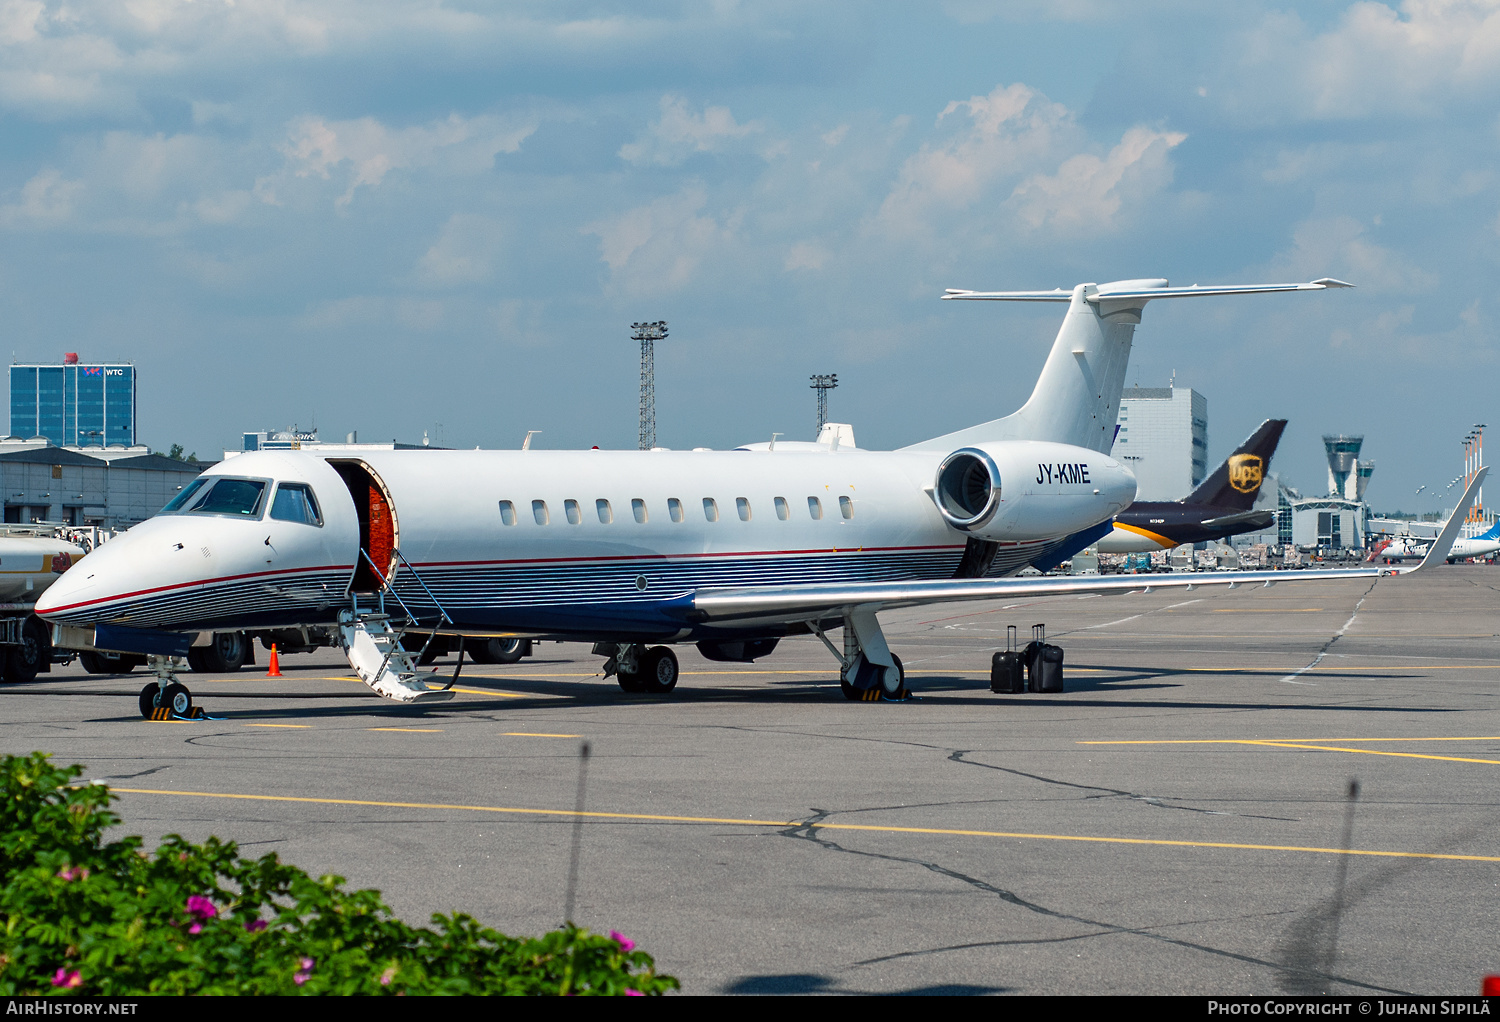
(374, 650)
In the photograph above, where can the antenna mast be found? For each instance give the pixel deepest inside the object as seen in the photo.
(648, 334)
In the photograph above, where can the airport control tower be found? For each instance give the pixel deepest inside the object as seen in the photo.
(1343, 459)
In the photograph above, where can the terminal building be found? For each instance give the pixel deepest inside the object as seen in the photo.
(112, 489)
(1162, 437)
(73, 404)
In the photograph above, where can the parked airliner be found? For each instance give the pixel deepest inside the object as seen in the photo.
(1413, 548)
(638, 550)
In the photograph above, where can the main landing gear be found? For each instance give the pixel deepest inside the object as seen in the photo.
(166, 693)
(638, 669)
(868, 670)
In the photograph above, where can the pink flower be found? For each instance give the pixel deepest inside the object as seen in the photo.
(633, 993)
(201, 908)
(255, 925)
(196, 928)
(387, 976)
(72, 873)
(68, 978)
(306, 973)
(626, 944)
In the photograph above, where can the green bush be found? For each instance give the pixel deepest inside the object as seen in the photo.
(89, 916)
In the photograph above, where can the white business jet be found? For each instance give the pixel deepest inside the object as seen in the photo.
(637, 550)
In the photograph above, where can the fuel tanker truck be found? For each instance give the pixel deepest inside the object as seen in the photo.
(28, 565)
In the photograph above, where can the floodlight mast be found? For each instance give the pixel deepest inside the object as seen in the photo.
(823, 384)
(648, 334)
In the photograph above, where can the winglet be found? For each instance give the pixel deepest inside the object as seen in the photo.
(1443, 545)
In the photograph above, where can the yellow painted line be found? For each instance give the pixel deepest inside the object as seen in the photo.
(422, 729)
(278, 725)
(1281, 744)
(1220, 741)
(1375, 752)
(535, 734)
(870, 828)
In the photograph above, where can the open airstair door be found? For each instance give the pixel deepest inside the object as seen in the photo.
(378, 535)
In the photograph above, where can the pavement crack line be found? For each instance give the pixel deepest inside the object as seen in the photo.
(1291, 679)
(806, 830)
(957, 756)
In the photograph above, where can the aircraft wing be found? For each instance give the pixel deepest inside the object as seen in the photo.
(813, 602)
(1148, 293)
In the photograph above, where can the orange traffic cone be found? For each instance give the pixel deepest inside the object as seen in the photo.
(275, 670)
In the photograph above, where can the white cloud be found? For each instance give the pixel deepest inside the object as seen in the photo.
(1377, 59)
(806, 255)
(657, 247)
(46, 199)
(680, 133)
(1086, 192)
(1028, 158)
(463, 253)
(317, 147)
(1339, 247)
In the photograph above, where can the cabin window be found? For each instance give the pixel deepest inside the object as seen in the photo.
(294, 503)
(782, 511)
(674, 509)
(638, 508)
(507, 512)
(710, 509)
(815, 507)
(570, 508)
(237, 498)
(743, 507)
(846, 507)
(539, 511)
(605, 514)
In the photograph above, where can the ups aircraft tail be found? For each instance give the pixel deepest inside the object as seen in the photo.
(1077, 396)
(1236, 482)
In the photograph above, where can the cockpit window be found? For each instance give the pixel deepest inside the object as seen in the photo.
(176, 503)
(238, 498)
(294, 503)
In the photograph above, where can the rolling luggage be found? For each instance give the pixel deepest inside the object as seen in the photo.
(1007, 671)
(1044, 663)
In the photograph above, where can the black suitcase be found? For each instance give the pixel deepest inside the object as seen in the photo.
(1044, 663)
(1007, 669)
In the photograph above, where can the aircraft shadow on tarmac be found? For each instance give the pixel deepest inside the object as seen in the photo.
(811, 983)
(526, 694)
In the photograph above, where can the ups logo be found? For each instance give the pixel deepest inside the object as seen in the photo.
(1246, 472)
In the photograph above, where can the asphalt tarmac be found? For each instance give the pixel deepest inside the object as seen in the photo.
(1172, 823)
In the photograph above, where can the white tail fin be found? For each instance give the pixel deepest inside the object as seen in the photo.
(1077, 397)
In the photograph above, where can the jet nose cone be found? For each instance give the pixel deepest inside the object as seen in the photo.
(68, 591)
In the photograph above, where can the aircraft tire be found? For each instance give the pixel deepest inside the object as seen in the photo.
(177, 699)
(659, 671)
(868, 687)
(197, 663)
(227, 652)
(509, 651)
(630, 681)
(148, 699)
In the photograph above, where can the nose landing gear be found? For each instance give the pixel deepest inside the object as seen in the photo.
(166, 697)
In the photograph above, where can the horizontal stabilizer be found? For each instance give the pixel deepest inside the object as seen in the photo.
(1252, 519)
(1125, 290)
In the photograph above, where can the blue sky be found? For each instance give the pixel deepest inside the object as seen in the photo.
(407, 216)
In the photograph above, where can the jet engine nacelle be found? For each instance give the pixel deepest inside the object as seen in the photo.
(1021, 490)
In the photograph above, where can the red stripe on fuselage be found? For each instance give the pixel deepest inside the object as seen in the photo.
(202, 582)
